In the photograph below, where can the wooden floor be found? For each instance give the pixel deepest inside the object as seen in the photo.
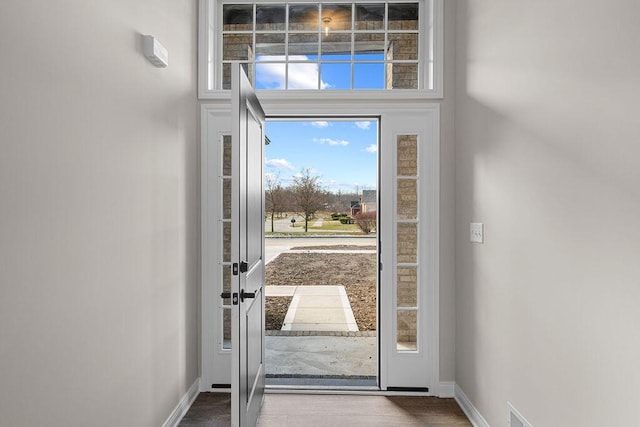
(281, 410)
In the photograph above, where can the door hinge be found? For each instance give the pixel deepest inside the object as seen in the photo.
(380, 266)
(243, 266)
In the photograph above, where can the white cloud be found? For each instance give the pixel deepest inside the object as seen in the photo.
(301, 75)
(279, 164)
(319, 124)
(329, 141)
(363, 125)
(270, 76)
(373, 148)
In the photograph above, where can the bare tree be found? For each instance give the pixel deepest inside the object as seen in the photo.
(366, 221)
(273, 195)
(310, 197)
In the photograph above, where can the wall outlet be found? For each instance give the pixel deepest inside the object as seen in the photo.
(476, 232)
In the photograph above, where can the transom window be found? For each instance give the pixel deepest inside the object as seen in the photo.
(322, 46)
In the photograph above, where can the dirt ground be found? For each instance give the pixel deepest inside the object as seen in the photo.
(356, 272)
(275, 312)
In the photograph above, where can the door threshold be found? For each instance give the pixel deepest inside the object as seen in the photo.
(323, 381)
(354, 391)
(320, 389)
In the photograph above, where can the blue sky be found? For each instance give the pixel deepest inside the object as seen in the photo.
(304, 72)
(343, 153)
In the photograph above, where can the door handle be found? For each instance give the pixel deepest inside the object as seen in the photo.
(244, 295)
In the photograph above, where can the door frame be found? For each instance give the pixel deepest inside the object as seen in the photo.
(215, 122)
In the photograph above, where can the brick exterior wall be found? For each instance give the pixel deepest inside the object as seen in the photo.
(407, 199)
(407, 326)
(226, 238)
(407, 245)
(407, 286)
(407, 239)
(407, 155)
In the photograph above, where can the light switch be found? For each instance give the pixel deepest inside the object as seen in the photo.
(476, 232)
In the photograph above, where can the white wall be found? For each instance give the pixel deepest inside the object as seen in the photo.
(547, 156)
(98, 212)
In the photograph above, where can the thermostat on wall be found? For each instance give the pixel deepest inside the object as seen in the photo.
(155, 52)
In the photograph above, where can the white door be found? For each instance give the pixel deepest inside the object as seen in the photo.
(247, 246)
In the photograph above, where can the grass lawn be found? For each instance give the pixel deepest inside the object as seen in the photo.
(329, 225)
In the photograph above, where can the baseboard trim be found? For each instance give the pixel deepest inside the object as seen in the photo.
(446, 389)
(476, 419)
(183, 406)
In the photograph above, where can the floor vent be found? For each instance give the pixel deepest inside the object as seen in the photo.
(515, 418)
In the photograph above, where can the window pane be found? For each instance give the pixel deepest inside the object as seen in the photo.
(226, 283)
(270, 76)
(268, 46)
(226, 198)
(407, 330)
(303, 76)
(404, 76)
(226, 241)
(226, 155)
(303, 17)
(403, 16)
(407, 295)
(336, 17)
(368, 76)
(407, 155)
(237, 17)
(407, 203)
(336, 76)
(369, 43)
(403, 47)
(226, 328)
(226, 76)
(407, 246)
(303, 44)
(270, 18)
(336, 47)
(370, 17)
(237, 47)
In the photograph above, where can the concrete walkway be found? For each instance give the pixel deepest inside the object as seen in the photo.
(316, 308)
(321, 355)
(320, 308)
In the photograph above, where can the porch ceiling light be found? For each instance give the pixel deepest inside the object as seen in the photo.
(326, 21)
